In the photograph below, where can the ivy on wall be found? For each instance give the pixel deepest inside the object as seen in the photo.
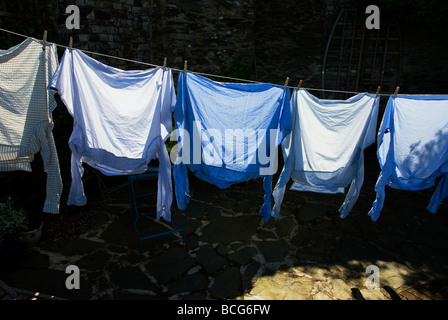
(29, 17)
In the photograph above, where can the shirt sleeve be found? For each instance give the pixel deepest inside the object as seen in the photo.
(51, 167)
(48, 149)
(181, 186)
(371, 128)
(168, 102)
(383, 153)
(288, 155)
(76, 195)
(164, 185)
(285, 122)
(61, 81)
(439, 194)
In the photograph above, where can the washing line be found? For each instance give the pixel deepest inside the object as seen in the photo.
(198, 73)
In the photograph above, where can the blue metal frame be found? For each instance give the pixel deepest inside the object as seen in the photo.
(150, 174)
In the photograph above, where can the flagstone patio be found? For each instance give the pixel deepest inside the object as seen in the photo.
(307, 253)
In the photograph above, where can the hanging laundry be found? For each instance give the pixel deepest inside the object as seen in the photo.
(228, 133)
(121, 121)
(26, 123)
(413, 148)
(324, 152)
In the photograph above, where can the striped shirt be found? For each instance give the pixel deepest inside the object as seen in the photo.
(26, 106)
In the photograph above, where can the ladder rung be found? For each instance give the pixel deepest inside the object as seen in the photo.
(349, 38)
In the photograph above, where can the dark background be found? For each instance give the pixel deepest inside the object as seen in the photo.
(257, 40)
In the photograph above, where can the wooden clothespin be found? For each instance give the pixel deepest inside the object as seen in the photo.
(44, 41)
(286, 82)
(185, 67)
(299, 85)
(378, 91)
(164, 64)
(70, 44)
(396, 91)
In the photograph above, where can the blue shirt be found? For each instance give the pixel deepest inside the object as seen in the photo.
(228, 133)
(413, 147)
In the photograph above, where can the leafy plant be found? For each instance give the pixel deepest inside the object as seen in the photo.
(239, 68)
(11, 221)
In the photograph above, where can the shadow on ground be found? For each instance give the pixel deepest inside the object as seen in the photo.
(230, 253)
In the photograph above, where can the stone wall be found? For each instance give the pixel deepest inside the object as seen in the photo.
(290, 39)
(208, 34)
(120, 28)
(257, 40)
(424, 68)
(263, 40)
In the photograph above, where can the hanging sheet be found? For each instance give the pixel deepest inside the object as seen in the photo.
(121, 121)
(413, 148)
(228, 133)
(26, 124)
(324, 152)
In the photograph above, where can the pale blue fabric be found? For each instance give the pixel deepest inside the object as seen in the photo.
(324, 152)
(413, 148)
(226, 132)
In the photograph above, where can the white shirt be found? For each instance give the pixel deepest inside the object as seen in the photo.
(324, 152)
(26, 122)
(121, 121)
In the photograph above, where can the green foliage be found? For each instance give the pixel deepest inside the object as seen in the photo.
(238, 68)
(28, 17)
(170, 144)
(11, 220)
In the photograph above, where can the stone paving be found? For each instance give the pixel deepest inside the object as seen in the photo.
(308, 253)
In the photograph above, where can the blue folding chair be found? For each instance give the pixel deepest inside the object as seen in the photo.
(137, 191)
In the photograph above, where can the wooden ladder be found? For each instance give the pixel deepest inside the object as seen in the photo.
(357, 59)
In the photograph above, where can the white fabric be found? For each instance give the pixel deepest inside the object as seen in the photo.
(26, 122)
(121, 121)
(324, 152)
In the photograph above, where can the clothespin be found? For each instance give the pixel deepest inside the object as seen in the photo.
(164, 64)
(44, 41)
(378, 91)
(286, 82)
(70, 44)
(185, 67)
(396, 92)
(299, 85)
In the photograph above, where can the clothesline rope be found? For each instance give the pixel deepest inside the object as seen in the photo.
(199, 73)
